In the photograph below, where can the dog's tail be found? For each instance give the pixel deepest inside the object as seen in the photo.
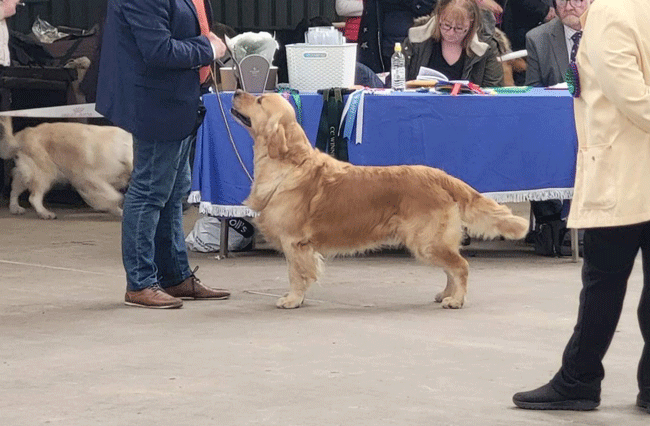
(8, 144)
(482, 216)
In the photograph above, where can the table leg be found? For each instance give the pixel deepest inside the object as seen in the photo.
(223, 244)
(574, 245)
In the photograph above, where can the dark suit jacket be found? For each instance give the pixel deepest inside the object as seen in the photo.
(520, 16)
(384, 22)
(548, 58)
(148, 77)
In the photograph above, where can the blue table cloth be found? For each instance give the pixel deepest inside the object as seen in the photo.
(510, 147)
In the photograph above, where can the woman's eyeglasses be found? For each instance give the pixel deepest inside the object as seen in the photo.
(459, 30)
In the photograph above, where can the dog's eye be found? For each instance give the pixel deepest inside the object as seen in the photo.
(259, 100)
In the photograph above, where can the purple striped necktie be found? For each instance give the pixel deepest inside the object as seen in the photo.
(576, 42)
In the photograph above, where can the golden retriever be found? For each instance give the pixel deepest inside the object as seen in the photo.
(96, 160)
(311, 205)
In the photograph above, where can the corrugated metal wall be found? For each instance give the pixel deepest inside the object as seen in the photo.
(269, 14)
(249, 15)
(72, 13)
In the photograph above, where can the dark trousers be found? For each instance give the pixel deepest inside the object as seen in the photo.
(609, 255)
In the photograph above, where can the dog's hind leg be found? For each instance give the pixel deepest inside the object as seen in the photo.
(304, 267)
(100, 195)
(457, 269)
(36, 179)
(17, 188)
(438, 245)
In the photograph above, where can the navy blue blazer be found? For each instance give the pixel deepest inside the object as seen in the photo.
(149, 67)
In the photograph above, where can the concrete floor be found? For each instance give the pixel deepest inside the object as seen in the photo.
(369, 347)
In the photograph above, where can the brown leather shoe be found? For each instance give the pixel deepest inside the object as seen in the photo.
(192, 288)
(152, 297)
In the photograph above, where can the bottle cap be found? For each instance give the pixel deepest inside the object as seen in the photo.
(398, 47)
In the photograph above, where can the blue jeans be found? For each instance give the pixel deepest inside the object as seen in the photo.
(153, 241)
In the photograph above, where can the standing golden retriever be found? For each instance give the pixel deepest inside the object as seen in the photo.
(96, 160)
(311, 205)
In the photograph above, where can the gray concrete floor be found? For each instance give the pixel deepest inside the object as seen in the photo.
(369, 347)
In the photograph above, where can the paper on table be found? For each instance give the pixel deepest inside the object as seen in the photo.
(513, 55)
(559, 86)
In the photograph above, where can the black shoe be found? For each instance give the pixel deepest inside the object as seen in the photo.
(547, 398)
(643, 403)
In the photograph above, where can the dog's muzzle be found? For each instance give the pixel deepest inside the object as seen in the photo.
(246, 121)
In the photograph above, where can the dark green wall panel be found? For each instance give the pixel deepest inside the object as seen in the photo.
(239, 14)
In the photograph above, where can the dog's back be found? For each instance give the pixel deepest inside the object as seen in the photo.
(349, 208)
(77, 149)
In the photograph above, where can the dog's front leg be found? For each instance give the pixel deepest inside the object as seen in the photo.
(36, 200)
(303, 264)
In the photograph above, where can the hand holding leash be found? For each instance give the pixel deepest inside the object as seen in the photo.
(218, 46)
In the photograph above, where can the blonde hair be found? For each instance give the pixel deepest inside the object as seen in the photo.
(458, 10)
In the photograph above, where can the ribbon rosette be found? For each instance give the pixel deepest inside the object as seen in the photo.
(572, 79)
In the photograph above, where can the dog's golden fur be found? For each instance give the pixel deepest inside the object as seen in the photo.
(96, 160)
(311, 205)
(511, 66)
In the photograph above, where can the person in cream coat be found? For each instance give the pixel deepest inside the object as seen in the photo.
(611, 199)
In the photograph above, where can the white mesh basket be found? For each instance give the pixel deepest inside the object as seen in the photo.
(315, 67)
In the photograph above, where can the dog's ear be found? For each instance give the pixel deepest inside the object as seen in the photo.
(276, 140)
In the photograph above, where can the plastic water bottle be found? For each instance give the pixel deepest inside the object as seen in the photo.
(398, 69)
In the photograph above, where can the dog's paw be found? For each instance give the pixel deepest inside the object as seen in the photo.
(47, 215)
(289, 302)
(451, 303)
(16, 210)
(440, 297)
(117, 211)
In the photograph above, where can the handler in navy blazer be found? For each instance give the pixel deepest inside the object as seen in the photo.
(149, 84)
(149, 67)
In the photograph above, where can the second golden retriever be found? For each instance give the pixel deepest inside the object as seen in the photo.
(311, 205)
(96, 160)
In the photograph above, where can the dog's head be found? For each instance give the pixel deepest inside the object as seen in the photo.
(271, 121)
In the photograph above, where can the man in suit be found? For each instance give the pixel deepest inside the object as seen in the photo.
(551, 47)
(153, 61)
(611, 199)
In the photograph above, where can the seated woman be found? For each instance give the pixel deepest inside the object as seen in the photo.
(448, 42)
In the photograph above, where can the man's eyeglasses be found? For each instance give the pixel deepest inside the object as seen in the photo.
(574, 3)
(446, 27)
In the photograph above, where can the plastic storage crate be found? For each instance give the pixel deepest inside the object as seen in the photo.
(315, 67)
